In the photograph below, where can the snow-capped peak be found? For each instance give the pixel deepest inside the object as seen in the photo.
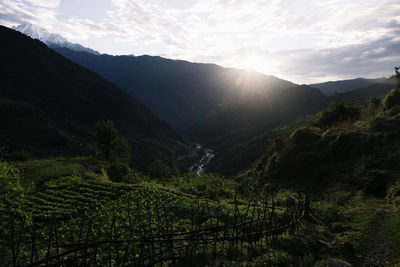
(51, 39)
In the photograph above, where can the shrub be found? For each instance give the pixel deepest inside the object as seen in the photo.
(162, 170)
(378, 181)
(386, 121)
(392, 99)
(374, 102)
(207, 185)
(9, 181)
(118, 171)
(304, 135)
(336, 113)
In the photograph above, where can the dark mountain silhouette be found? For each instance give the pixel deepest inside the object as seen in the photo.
(50, 105)
(177, 91)
(329, 88)
(256, 116)
(377, 89)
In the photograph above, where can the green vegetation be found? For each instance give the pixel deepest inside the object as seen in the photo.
(335, 114)
(52, 107)
(348, 157)
(254, 116)
(162, 170)
(106, 137)
(323, 190)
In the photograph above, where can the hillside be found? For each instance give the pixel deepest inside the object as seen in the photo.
(331, 87)
(377, 89)
(254, 117)
(177, 91)
(348, 158)
(49, 106)
(241, 157)
(325, 194)
(236, 157)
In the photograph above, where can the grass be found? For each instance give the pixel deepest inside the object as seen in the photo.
(37, 172)
(392, 234)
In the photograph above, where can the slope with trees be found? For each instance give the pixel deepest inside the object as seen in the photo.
(177, 91)
(348, 158)
(329, 88)
(49, 106)
(361, 94)
(254, 117)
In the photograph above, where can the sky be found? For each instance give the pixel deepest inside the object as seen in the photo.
(304, 41)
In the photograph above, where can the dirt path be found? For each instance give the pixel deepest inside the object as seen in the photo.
(379, 252)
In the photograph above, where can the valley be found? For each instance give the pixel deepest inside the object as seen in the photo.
(130, 160)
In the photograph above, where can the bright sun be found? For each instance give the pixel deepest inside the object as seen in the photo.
(256, 63)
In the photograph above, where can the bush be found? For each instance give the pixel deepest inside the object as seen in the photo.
(305, 135)
(162, 170)
(118, 171)
(207, 185)
(374, 102)
(336, 113)
(386, 121)
(378, 182)
(392, 99)
(9, 181)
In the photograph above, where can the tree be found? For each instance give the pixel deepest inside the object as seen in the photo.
(121, 151)
(106, 137)
(9, 181)
(393, 98)
(120, 159)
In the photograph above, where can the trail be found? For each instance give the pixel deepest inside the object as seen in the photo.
(379, 252)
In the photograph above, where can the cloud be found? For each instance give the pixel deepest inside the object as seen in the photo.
(45, 3)
(337, 38)
(372, 59)
(137, 21)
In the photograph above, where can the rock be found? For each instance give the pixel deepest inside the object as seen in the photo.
(333, 262)
(325, 243)
(339, 263)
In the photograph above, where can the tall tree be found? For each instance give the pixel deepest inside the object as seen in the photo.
(106, 137)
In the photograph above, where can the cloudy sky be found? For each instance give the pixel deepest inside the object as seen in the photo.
(303, 41)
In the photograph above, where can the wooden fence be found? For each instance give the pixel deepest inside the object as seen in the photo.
(149, 233)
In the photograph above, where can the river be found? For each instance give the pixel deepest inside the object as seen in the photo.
(199, 167)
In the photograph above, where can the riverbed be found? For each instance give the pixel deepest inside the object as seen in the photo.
(199, 167)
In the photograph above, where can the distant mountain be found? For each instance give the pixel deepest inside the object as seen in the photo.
(178, 91)
(50, 105)
(254, 117)
(329, 88)
(51, 39)
(377, 89)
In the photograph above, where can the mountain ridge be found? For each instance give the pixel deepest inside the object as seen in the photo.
(51, 39)
(71, 100)
(178, 91)
(331, 87)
